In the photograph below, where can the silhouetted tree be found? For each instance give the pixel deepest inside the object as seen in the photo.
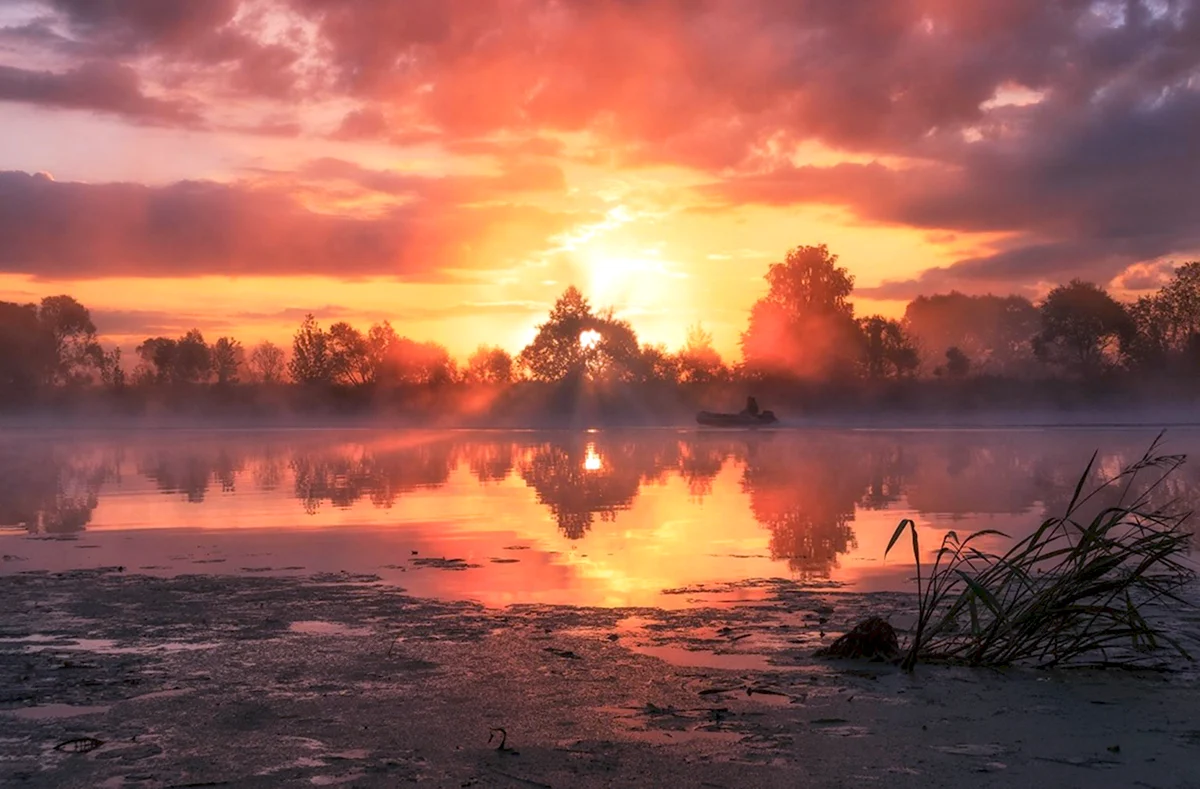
(887, 351)
(958, 364)
(310, 363)
(489, 365)
(1083, 328)
(1166, 325)
(227, 358)
(994, 331)
(804, 326)
(558, 351)
(349, 360)
(266, 363)
(158, 360)
(26, 350)
(193, 358)
(577, 344)
(77, 354)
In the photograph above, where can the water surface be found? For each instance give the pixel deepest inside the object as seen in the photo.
(651, 517)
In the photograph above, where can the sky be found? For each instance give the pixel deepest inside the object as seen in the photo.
(453, 165)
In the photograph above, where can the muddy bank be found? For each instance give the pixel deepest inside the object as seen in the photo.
(256, 681)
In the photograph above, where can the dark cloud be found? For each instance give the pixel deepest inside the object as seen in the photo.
(101, 87)
(131, 25)
(61, 230)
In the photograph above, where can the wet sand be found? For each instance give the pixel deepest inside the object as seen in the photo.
(337, 680)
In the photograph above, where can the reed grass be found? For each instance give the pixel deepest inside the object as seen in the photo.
(1076, 591)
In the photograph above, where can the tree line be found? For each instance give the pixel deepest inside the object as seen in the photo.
(804, 329)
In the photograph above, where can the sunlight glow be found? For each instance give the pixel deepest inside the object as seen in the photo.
(589, 339)
(591, 460)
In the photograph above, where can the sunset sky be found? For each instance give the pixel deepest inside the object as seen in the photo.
(454, 165)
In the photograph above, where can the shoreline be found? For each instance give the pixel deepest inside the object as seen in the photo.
(876, 422)
(332, 679)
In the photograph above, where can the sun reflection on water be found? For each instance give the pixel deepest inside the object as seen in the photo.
(591, 460)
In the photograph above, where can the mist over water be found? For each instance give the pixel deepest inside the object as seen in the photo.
(605, 517)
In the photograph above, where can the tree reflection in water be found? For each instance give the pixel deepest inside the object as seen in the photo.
(345, 475)
(579, 481)
(806, 494)
(50, 489)
(805, 489)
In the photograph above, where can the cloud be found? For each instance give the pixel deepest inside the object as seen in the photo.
(1068, 127)
(101, 86)
(513, 179)
(63, 230)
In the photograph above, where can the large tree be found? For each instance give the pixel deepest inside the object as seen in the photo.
(577, 344)
(804, 327)
(26, 350)
(78, 357)
(1084, 330)
(349, 360)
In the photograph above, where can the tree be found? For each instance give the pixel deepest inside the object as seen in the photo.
(112, 374)
(616, 355)
(992, 330)
(26, 350)
(267, 363)
(158, 359)
(887, 350)
(1084, 329)
(193, 358)
(658, 364)
(560, 350)
(310, 364)
(349, 361)
(1166, 325)
(382, 342)
(227, 359)
(577, 344)
(958, 364)
(698, 361)
(804, 327)
(77, 354)
(488, 365)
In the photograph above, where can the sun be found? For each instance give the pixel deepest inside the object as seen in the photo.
(589, 339)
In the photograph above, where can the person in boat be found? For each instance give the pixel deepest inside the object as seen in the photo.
(751, 408)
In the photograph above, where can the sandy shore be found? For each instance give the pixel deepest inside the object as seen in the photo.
(234, 681)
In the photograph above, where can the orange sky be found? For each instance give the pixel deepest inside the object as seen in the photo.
(454, 165)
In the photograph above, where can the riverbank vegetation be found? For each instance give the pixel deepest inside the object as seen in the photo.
(1080, 589)
(804, 349)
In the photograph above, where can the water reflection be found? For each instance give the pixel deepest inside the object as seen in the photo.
(51, 489)
(819, 504)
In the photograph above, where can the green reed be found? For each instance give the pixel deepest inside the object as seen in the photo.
(1075, 591)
